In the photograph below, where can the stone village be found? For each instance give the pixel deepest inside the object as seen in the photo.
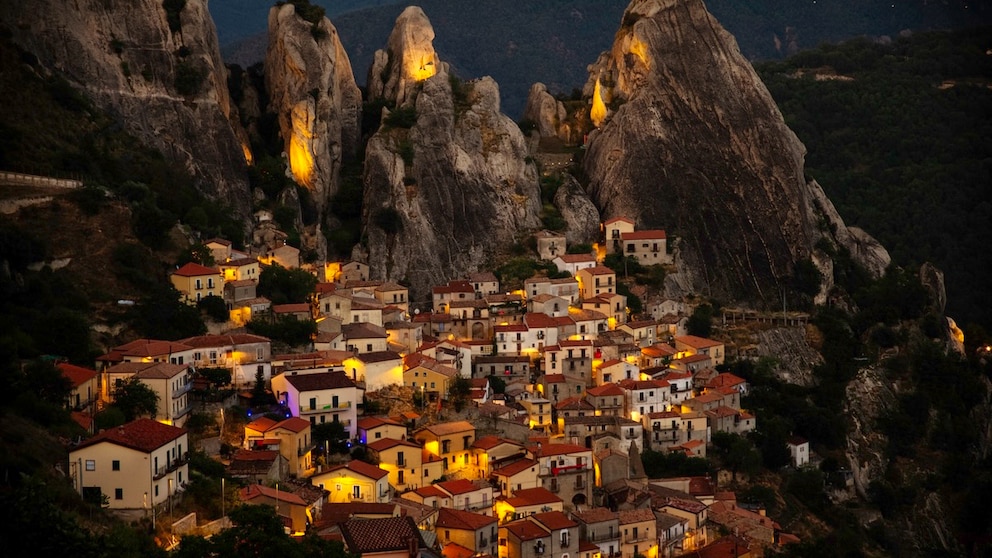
(547, 465)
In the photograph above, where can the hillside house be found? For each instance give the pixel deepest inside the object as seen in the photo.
(650, 247)
(550, 244)
(320, 397)
(137, 465)
(196, 281)
(614, 230)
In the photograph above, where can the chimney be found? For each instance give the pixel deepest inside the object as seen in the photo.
(412, 546)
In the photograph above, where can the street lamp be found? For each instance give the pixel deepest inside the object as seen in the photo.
(223, 494)
(422, 403)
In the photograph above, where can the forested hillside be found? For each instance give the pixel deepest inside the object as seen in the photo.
(900, 137)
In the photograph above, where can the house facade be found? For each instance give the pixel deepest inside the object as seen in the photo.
(138, 465)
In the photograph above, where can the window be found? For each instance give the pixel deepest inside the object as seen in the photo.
(91, 465)
(156, 491)
(357, 491)
(115, 465)
(259, 353)
(199, 285)
(118, 494)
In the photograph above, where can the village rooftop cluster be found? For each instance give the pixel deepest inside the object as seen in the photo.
(549, 468)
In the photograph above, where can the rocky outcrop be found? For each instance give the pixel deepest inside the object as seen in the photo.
(453, 191)
(690, 140)
(869, 397)
(159, 73)
(546, 112)
(313, 92)
(578, 211)
(408, 60)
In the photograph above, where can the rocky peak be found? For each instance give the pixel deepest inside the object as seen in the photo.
(312, 91)
(408, 60)
(449, 192)
(688, 139)
(158, 71)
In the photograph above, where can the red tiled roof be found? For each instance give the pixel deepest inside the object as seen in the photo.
(598, 270)
(380, 535)
(595, 515)
(455, 550)
(457, 486)
(643, 235)
(362, 468)
(618, 219)
(515, 467)
(556, 520)
(261, 424)
(577, 258)
(368, 423)
(560, 449)
(445, 428)
(725, 379)
(697, 342)
(293, 424)
(319, 381)
(253, 491)
(605, 389)
(386, 443)
(145, 435)
(431, 490)
(532, 496)
(459, 519)
(195, 270)
(526, 530)
(76, 374)
(490, 442)
(201, 341)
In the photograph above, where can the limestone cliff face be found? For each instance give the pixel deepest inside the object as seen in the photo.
(578, 211)
(450, 193)
(160, 74)
(313, 92)
(690, 140)
(408, 60)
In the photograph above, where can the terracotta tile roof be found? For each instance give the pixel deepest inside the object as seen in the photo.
(253, 491)
(368, 423)
(560, 449)
(290, 308)
(635, 516)
(595, 515)
(577, 258)
(446, 428)
(455, 550)
(575, 403)
(319, 380)
(797, 441)
(725, 379)
(659, 350)
(76, 374)
(515, 468)
(161, 371)
(697, 342)
(490, 442)
(202, 341)
(458, 519)
(454, 287)
(261, 424)
(532, 496)
(586, 546)
(386, 443)
(511, 328)
(643, 235)
(145, 435)
(554, 520)
(618, 219)
(605, 390)
(431, 491)
(458, 486)
(362, 468)
(378, 356)
(334, 513)
(554, 378)
(526, 530)
(293, 424)
(144, 348)
(598, 270)
(637, 385)
(390, 534)
(195, 270)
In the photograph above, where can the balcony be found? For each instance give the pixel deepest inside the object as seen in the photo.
(603, 537)
(183, 390)
(632, 435)
(306, 410)
(305, 450)
(636, 538)
(564, 469)
(172, 466)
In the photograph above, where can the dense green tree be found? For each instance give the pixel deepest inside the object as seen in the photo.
(460, 393)
(215, 308)
(331, 436)
(737, 453)
(161, 314)
(286, 286)
(196, 253)
(658, 464)
(135, 399)
(701, 321)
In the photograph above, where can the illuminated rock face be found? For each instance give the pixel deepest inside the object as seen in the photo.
(451, 194)
(697, 146)
(313, 92)
(408, 60)
(124, 56)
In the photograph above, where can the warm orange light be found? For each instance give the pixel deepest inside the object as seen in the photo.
(422, 67)
(248, 156)
(598, 112)
(640, 50)
(300, 158)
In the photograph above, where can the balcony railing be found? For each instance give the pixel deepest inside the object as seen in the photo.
(306, 409)
(641, 537)
(603, 537)
(183, 390)
(171, 466)
(305, 450)
(632, 435)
